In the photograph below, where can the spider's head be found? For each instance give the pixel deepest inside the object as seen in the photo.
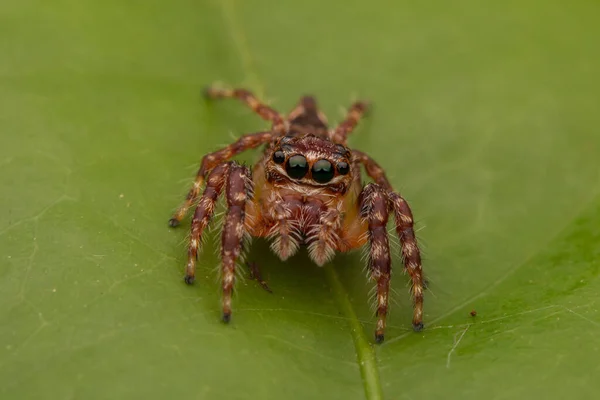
(310, 160)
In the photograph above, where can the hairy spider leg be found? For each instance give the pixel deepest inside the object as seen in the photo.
(411, 255)
(355, 113)
(375, 209)
(265, 112)
(238, 193)
(203, 214)
(373, 169)
(211, 160)
(245, 142)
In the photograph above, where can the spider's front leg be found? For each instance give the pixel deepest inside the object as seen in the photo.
(376, 204)
(238, 192)
(374, 209)
(411, 254)
(203, 214)
(210, 161)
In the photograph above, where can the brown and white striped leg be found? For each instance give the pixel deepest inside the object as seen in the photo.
(375, 209)
(247, 97)
(209, 161)
(237, 192)
(410, 254)
(373, 169)
(341, 132)
(203, 214)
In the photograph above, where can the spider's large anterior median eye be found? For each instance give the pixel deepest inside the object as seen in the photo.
(278, 157)
(322, 171)
(296, 167)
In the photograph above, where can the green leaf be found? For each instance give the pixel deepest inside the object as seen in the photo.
(485, 117)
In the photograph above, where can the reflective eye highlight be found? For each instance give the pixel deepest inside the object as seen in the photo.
(278, 157)
(296, 167)
(322, 171)
(343, 168)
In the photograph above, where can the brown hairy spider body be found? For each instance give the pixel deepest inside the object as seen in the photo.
(305, 191)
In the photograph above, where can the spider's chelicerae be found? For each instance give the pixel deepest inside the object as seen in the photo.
(305, 190)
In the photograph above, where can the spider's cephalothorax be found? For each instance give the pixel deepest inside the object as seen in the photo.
(305, 190)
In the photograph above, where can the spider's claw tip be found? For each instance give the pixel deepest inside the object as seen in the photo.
(418, 327)
(189, 279)
(173, 222)
(226, 317)
(379, 338)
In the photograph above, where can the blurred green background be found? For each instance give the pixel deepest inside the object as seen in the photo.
(485, 118)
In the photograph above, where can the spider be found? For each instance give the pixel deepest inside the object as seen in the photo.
(305, 190)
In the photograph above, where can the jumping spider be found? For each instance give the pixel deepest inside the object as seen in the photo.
(305, 190)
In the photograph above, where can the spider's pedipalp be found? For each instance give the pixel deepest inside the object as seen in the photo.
(284, 215)
(322, 237)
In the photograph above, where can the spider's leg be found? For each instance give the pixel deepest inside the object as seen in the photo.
(211, 160)
(256, 275)
(238, 192)
(410, 254)
(266, 112)
(373, 169)
(341, 132)
(203, 214)
(375, 210)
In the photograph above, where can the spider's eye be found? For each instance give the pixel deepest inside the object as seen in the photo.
(322, 171)
(296, 166)
(278, 157)
(343, 168)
